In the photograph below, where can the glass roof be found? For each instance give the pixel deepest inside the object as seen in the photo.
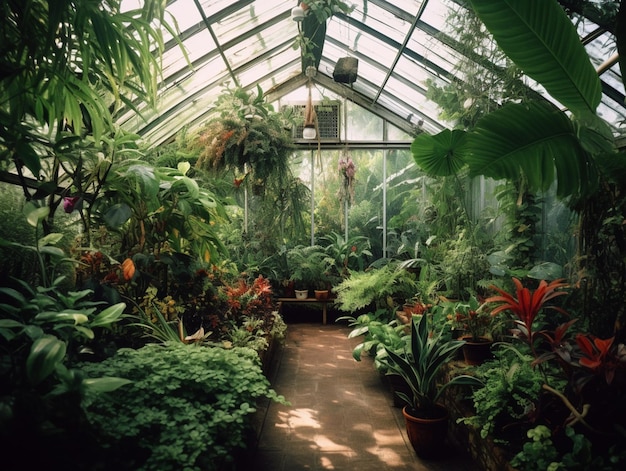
(399, 46)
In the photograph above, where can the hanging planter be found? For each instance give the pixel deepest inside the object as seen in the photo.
(248, 137)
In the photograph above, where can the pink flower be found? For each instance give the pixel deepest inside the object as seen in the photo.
(70, 203)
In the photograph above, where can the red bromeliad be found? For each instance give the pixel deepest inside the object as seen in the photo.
(527, 304)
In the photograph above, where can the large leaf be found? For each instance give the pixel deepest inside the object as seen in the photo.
(45, 354)
(539, 37)
(535, 138)
(440, 154)
(109, 316)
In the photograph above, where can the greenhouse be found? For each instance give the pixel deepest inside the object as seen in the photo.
(283, 236)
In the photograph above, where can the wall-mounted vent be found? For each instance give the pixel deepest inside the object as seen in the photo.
(328, 119)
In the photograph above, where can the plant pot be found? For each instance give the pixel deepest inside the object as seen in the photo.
(476, 351)
(427, 435)
(321, 294)
(302, 293)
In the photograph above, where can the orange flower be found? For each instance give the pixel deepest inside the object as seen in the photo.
(128, 268)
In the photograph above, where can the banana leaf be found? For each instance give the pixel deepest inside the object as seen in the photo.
(540, 38)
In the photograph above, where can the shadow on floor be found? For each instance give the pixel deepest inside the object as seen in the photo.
(341, 415)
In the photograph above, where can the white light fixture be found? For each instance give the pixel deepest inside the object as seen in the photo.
(309, 132)
(297, 14)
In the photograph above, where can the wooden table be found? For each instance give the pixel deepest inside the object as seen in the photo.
(323, 302)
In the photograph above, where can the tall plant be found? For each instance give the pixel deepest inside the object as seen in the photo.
(46, 96)
(577, 150)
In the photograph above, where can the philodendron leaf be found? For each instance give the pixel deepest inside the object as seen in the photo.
(441, 154)
(45, 353)
(540, 38)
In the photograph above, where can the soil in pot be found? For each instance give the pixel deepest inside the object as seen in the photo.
(427, 432)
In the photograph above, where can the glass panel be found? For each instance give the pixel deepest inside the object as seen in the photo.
(253, 16)
(362, 124)
(196, 46)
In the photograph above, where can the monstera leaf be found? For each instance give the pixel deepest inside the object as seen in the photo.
(539, 37)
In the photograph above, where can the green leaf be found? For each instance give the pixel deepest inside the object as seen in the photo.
(117, 215)
(27, 155)
(536, 138)
(440, 154)
(105, 384)
(50, 239)
(36, 215)
(45, 353)
(183, 167)
(74, 318)
(109, 316)
(539, 37)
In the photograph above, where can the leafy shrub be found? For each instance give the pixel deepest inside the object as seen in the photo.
(375, 288)
(186, 408)
(509, 399)
(541, 454)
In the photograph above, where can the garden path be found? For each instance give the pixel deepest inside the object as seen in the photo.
(341, 415)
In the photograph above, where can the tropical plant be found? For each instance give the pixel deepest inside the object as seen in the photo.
(247, 137)
(58, 137)
(309, 266)
(509, 397)
(44, 330)
(311, 38)
(348, 253)
(542, 454)
(574, 149)
(526, 305)
(421, 365)
(471, 317)
(378, 335)
(188, 406)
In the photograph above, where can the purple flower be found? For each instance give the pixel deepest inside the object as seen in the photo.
(70, 203)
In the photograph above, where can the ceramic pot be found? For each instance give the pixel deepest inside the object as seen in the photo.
(476, 351)
(302, 293)
(321, 294)
(427, 435)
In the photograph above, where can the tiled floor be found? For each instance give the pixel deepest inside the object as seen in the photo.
(341, 415)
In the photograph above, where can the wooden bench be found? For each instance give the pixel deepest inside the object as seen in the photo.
(323, 302)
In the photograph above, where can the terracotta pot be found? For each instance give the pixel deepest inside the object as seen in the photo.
(427, 435)
(477, 351)
(302, 293)
(321, 294)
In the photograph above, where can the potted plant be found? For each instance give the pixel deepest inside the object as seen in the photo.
(308, 265)
(246, 136)
(421, 365)
(475, 323)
